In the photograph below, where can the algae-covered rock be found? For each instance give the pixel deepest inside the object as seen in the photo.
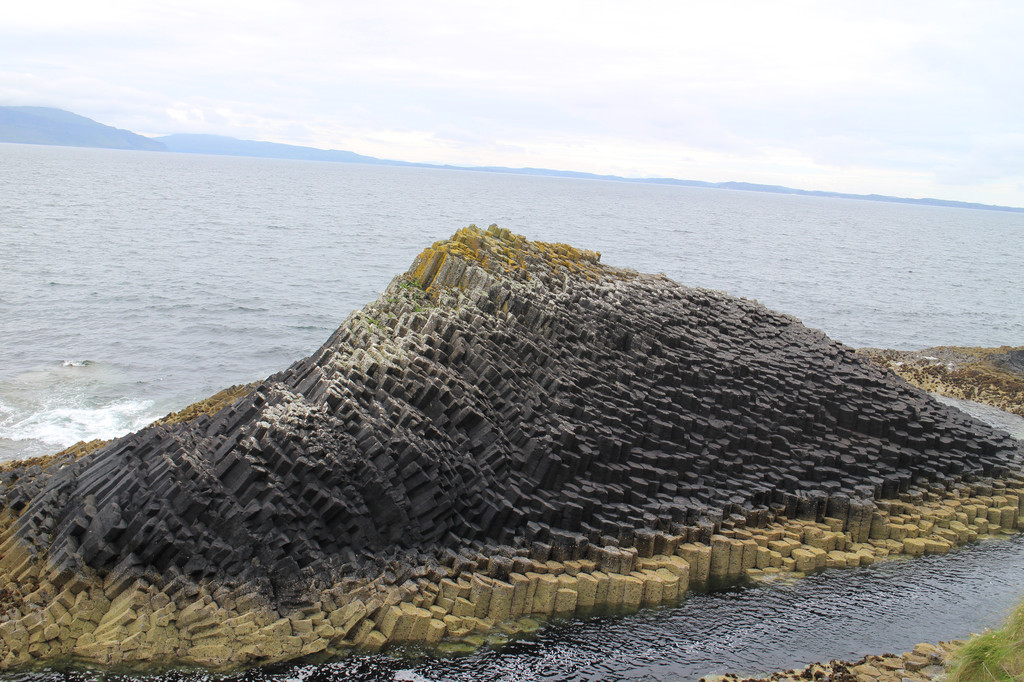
(993, 376)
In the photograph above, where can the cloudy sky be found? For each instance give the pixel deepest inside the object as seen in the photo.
(905, 98)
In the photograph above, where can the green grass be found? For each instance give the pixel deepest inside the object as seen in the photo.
(995, 656)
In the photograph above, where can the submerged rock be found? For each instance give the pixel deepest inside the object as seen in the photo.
(925, 663)
(504, 403)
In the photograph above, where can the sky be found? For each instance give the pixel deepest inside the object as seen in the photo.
(908, 98)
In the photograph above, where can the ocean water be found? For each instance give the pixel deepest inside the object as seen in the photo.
(134, 283)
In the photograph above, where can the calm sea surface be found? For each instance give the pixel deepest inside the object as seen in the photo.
(134, 283)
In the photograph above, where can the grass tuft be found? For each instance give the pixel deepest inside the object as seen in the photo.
(995, 656)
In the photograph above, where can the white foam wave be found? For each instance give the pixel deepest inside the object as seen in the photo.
(61, 426)
(48, 408)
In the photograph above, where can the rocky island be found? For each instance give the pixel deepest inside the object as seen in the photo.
(512, 430)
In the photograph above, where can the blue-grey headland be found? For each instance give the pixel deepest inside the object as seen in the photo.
(513, 430)
(44, 125)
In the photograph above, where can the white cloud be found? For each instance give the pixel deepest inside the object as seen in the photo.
(897, 98)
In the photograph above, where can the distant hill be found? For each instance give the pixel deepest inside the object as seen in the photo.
(43, 125)
(739, 186)
(219, 144)
(779, 189)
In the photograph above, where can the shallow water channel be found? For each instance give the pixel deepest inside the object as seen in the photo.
(750, 629)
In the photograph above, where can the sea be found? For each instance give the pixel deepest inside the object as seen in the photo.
(135, 283)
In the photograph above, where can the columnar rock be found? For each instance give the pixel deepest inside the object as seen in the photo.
(503, 393)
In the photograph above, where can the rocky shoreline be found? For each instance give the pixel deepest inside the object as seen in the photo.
(992, 376)
(926, 663)
(513, 432)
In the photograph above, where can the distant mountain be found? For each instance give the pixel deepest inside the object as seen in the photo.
(43, 125)
(221, 145)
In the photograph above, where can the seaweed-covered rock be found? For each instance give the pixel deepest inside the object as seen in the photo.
(993, 376)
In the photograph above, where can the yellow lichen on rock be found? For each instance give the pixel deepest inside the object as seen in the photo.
(209, 406)
(450, 264)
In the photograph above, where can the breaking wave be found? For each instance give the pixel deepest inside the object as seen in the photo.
(43, 411)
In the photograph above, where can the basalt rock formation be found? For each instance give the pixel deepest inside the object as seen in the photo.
(503, 398)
